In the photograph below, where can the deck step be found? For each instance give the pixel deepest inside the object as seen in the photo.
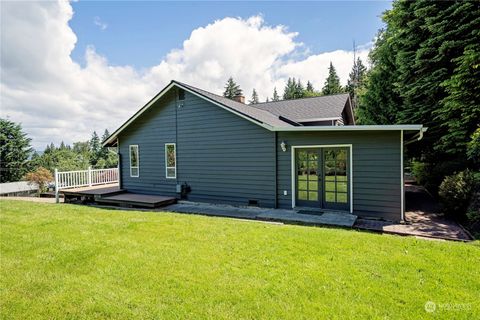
(137, 200)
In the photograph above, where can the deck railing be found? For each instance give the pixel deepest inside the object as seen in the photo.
(83, 178)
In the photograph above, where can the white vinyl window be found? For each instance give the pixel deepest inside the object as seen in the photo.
(170, 161)
(134, 161)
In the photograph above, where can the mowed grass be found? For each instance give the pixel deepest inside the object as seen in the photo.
(77, 262)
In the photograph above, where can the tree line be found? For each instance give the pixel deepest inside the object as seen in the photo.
(294, 88)
(18, 158)
(425, 69)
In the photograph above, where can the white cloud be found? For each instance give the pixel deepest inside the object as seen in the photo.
(99, 23)
(56, 99)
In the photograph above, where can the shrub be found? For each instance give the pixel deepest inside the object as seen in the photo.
(431, 175)
(41, 177)
(456, 192)
(420, 171)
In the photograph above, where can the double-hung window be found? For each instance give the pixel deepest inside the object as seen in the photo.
(134, 161)
(170, 161)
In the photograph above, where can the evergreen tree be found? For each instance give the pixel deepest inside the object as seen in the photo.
(267, 100)
(290, 89)
(15, 150)
(105, 135)
(275, 95)
(310, 91)
(378, 102)
(254, 99)
(310, 86)
(332, 83)
(356, 78)
(95, 148)
(426, 71)
(299, 90)
(232, 89)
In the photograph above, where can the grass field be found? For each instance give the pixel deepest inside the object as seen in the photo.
(77, 262)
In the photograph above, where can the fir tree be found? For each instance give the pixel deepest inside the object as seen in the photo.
(332, 83)
(15, 150)
(275, 95)
(254, 99)
(299, 90)
(232, 89)
(356, 78)
(290, 89)
(95, 148)
(310, 87)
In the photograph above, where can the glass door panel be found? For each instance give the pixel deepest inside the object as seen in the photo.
(307, 185)
(335, 162)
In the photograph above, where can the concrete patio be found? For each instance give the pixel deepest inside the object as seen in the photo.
(423, 218)
(279, 215)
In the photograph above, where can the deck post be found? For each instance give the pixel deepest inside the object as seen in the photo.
(57, 200)
(89, 176)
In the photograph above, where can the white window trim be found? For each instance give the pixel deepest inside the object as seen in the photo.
(293, 195)
(166, 167)
(138, 160)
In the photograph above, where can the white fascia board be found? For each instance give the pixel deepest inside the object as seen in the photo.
(397, 127)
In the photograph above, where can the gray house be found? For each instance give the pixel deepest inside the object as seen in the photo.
(190, 143)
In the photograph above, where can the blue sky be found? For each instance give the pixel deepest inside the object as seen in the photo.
(142, 33)
(90, 65)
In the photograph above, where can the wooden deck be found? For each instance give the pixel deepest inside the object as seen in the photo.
(112, 194)
(100, 190)
(137, 200)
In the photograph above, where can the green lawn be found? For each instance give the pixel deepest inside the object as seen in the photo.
(77, 262)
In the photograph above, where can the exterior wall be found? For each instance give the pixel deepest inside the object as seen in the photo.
(376, 169)
(222, 157)
(150, 132)
(227, 159)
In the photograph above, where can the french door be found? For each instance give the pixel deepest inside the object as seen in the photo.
(322, 178)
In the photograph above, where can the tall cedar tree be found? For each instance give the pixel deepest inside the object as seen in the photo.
(356, 78)
(332, 83)
(232, 89)
(254, 99)
(426, 70)
(15, 150)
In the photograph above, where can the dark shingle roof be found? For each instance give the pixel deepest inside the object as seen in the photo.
(303, 110)
(258, 114)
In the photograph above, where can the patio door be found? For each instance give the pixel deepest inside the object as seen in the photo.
(322, 178)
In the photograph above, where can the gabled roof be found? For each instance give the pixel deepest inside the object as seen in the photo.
(308, 109)
(258, 114)
(285, 115)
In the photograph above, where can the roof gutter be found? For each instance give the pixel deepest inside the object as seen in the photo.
(405, 127)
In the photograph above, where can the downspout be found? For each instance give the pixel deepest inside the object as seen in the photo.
(276, 171)
(402, 204)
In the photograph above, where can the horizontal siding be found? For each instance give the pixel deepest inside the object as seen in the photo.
(224, 158)
(150, 132)
(376, 169)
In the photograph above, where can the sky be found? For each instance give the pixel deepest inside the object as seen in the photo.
(68, 69)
